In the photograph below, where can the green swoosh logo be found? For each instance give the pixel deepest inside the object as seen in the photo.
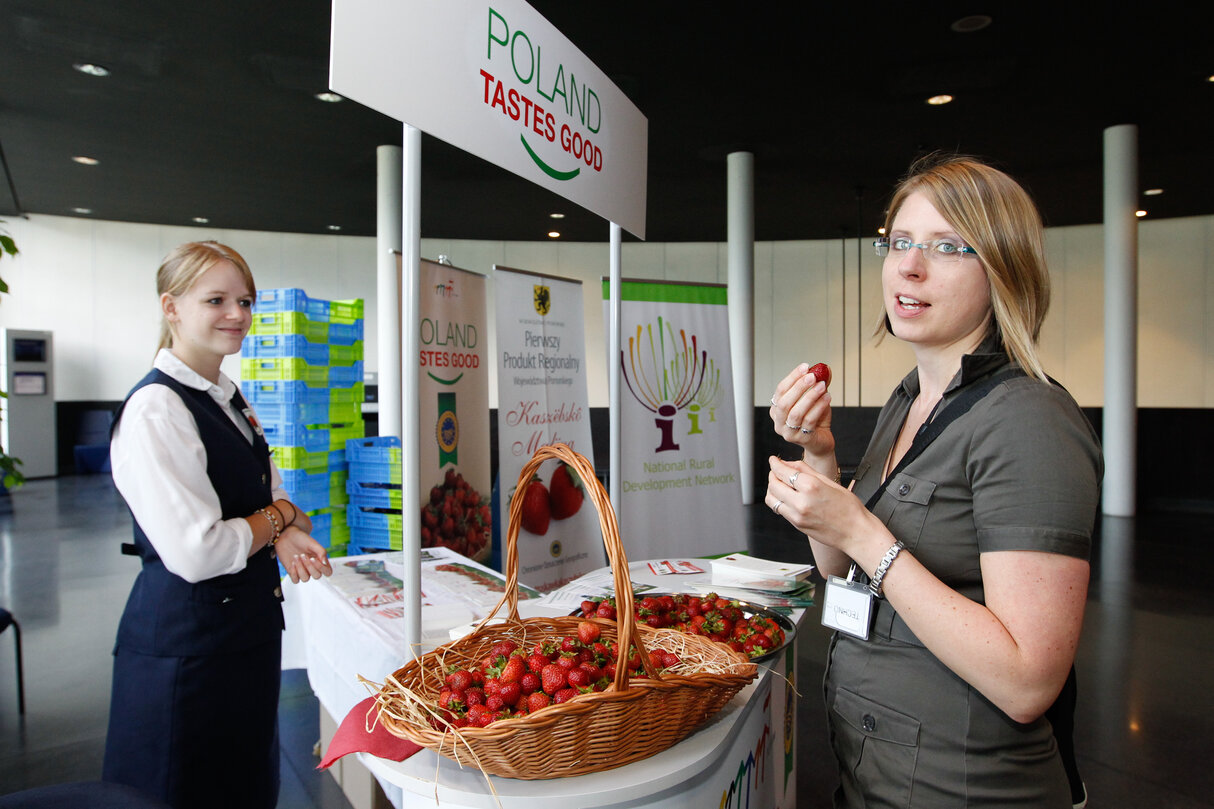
(442, 381)
(549, 170)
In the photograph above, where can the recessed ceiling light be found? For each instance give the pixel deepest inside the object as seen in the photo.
(1152, 192)
(557, 215)
(90, 69)
(202, 220)
(1140, 214)
(943, 98)
(332, 98)
(86, 161)
(553, 234)
(82, 210)
(970, 24)
(335, 227)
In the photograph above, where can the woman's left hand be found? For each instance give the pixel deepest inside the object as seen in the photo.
(817, 506)
(303, 557)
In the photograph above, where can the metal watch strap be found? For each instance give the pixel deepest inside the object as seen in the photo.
(874, 584)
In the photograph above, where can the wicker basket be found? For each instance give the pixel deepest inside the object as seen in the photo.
(630, 720)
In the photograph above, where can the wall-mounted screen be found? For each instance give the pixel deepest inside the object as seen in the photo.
(29, 349)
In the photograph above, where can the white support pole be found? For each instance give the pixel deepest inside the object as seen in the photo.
(614, 471)
(388, 178)
(740, 234)
(410, 434)
(1120, 319)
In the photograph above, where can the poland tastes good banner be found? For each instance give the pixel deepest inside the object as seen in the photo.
(678, 438)
(453, 384)
(542, 399)
(494, 78)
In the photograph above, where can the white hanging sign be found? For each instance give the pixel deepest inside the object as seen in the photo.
(496, 79)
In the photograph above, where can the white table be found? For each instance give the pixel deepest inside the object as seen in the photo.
(744, 755)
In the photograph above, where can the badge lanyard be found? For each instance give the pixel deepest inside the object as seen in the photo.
(848, 604)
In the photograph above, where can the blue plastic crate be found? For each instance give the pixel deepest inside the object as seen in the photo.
(374, 448)
(362, 517)
(344, 334)
(282, 391)
(285, 345)
(345, 375)
(375, 540)
(291, 300)
(374, 495)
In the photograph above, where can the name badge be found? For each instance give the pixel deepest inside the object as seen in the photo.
(848, 607)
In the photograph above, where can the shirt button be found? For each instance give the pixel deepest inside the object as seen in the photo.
(870, 724)
(278, 592)
(904, 489)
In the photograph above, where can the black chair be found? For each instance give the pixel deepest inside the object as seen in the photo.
(7, 620)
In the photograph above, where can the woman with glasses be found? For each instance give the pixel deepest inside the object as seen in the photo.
(961, 548)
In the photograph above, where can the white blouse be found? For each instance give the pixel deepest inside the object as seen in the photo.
(160, 468)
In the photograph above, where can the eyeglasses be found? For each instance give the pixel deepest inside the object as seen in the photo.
(944, 251)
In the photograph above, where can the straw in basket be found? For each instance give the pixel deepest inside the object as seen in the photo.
(632, 719)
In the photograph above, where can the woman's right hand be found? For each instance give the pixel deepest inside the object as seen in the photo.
(800, 413)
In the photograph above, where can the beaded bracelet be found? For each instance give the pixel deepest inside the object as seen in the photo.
(273, 524)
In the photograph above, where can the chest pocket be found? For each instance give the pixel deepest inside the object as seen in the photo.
(904, 505)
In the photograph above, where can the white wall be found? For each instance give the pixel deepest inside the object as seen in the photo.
(93, 284)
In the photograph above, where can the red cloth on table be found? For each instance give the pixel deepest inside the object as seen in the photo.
(352, 737)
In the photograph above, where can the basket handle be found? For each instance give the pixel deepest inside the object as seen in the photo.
(626, 628)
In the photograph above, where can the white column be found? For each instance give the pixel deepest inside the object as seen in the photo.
(388, 179)
(614, 454)
(410, 434)
(1120, 319)
(740, 234)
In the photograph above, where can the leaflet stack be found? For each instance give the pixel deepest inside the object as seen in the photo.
(302, 371)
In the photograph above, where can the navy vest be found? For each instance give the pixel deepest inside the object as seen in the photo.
(167, 615)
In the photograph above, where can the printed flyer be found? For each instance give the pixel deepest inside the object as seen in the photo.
(681, 487)
(542, 400)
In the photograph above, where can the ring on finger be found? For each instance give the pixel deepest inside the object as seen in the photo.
(792, 479)
(776, 508)
(773, 401)
(792, 426)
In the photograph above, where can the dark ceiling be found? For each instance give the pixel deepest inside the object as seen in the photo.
(209, 112)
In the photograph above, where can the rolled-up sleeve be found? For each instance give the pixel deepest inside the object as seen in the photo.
(1035, 469)
(159, 466)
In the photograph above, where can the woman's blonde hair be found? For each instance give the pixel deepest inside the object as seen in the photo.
(184, 265)
(994, 215)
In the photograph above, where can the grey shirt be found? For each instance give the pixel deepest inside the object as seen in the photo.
(1019, 471)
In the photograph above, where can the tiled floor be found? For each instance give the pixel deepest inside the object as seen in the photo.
(1145, 723)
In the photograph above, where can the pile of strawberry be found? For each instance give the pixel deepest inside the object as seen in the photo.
(511, 681)
(719, 619)
(456, 517)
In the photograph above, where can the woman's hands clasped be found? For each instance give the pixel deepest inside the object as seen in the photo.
(303, 557)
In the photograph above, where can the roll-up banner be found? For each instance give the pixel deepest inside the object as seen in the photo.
(453, 383)
(680, 481)
(542, 399)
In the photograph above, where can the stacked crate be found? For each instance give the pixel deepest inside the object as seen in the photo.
(302, 371)
(374, 489)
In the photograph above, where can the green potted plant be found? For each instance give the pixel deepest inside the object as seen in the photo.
(10, 475)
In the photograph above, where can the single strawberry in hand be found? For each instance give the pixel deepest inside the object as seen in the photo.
(821, 372)
(567, 492)
(537, 507)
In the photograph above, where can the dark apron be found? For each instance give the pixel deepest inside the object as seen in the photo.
(194, 704)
